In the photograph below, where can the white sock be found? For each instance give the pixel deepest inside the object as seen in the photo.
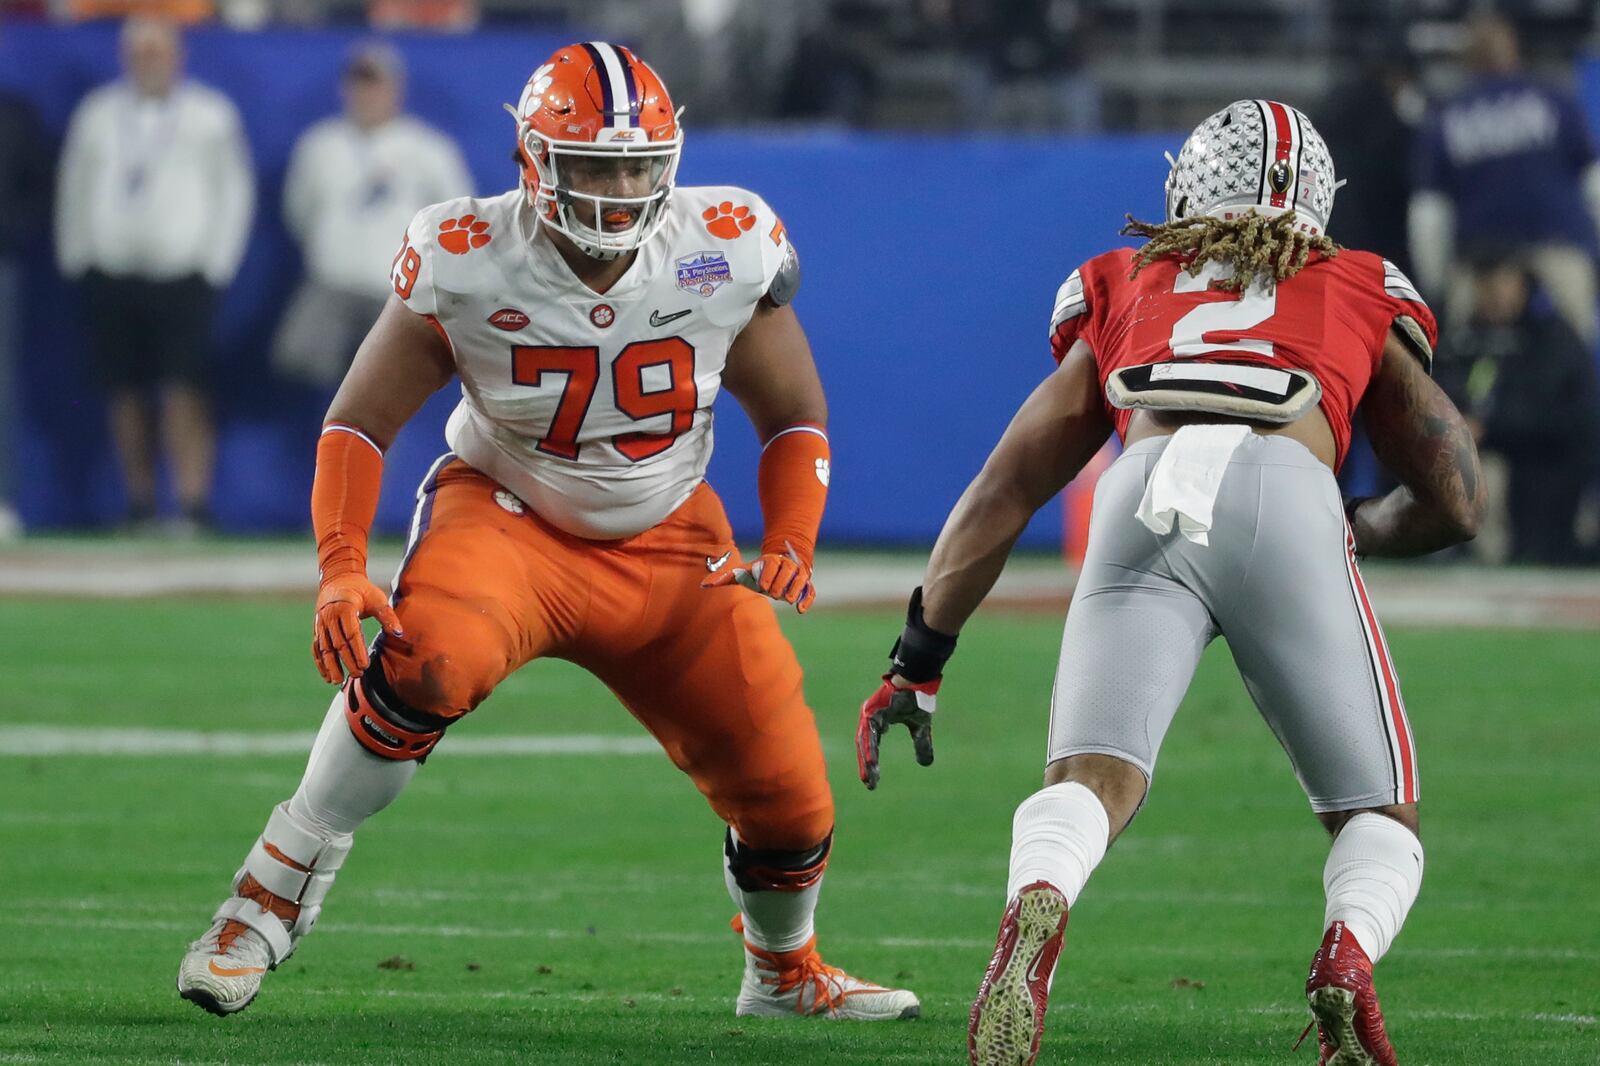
(1059, 835)
(344, 783)
(1373, 873)
(775, 921)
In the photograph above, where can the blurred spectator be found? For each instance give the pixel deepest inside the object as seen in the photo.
(726, 60)
(1507, 161)
(154, 201)
(353, 185)
(1529, 385)
(1035, 52)
(423, 14)
(1370, 125)
(833, 75)
(171, 10)
(24, 209)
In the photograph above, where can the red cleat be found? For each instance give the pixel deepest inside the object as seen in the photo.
(1008, 1018)
(1348, 1018)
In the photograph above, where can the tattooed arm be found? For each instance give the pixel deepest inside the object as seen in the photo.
(1421, 439)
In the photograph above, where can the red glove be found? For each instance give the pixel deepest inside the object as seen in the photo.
(912, 706)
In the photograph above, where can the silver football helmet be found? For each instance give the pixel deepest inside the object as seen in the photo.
(1253, 154)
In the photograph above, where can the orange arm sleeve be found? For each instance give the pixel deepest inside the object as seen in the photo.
(793, 484)
(344, 498)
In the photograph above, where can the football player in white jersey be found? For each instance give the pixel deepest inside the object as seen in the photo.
(592, 314)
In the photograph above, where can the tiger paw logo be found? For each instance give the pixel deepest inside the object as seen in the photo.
(727, 222)
(458, 236)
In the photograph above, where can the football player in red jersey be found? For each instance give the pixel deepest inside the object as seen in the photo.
(1229, 354)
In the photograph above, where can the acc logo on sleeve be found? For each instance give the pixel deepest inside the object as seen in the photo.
(703, 272)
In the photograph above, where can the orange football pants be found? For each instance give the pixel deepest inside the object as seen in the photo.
(708, 672)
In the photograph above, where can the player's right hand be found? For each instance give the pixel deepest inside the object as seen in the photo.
(908, 704)
(337, 642)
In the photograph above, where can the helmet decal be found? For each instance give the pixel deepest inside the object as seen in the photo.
(619, 93)
(1254, 154)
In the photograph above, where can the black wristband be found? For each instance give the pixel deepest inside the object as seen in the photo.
(920, 653)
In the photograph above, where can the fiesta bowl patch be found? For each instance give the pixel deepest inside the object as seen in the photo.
(703, 272)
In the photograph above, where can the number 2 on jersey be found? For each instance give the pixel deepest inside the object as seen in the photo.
(1253, 307)
(680, 398)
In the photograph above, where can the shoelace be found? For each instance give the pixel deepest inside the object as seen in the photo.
(824, 980)
(230, 932)
(1303, 1034)
(253, 890)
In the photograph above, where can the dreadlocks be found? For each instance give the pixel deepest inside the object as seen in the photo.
(1266, 249)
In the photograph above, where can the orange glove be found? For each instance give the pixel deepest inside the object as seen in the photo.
(344, 498)
(785, 577)
(342, 601)
(793, 485)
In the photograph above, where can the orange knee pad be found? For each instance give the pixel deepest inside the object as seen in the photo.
(385, 726)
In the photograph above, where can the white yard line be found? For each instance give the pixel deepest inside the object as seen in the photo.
(1404, 594)
(22, 916)
(36, 740)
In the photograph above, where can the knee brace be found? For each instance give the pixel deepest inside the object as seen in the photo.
(295, 864)
(383, 724)
(775, 870)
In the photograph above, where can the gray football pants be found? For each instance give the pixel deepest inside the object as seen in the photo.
(1279, 581)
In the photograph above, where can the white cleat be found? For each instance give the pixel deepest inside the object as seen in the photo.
(277, 896)
(800, 983)
(222, 971)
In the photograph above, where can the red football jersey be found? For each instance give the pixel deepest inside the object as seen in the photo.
(1330, 320)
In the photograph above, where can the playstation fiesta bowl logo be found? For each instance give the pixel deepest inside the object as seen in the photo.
(703, 272)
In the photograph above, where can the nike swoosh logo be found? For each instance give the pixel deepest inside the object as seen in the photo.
(714, 565)
(227, 971)
(659, 319)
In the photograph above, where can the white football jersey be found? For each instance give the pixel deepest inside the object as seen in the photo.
(595, 409)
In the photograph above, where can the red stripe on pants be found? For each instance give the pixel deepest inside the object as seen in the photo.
(1391, 685)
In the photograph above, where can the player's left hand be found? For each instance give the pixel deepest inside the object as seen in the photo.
(785, 577)
(908, 704)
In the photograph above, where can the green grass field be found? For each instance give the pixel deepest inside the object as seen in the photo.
(570, 909)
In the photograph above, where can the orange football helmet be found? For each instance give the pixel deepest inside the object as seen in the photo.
(599, 143)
